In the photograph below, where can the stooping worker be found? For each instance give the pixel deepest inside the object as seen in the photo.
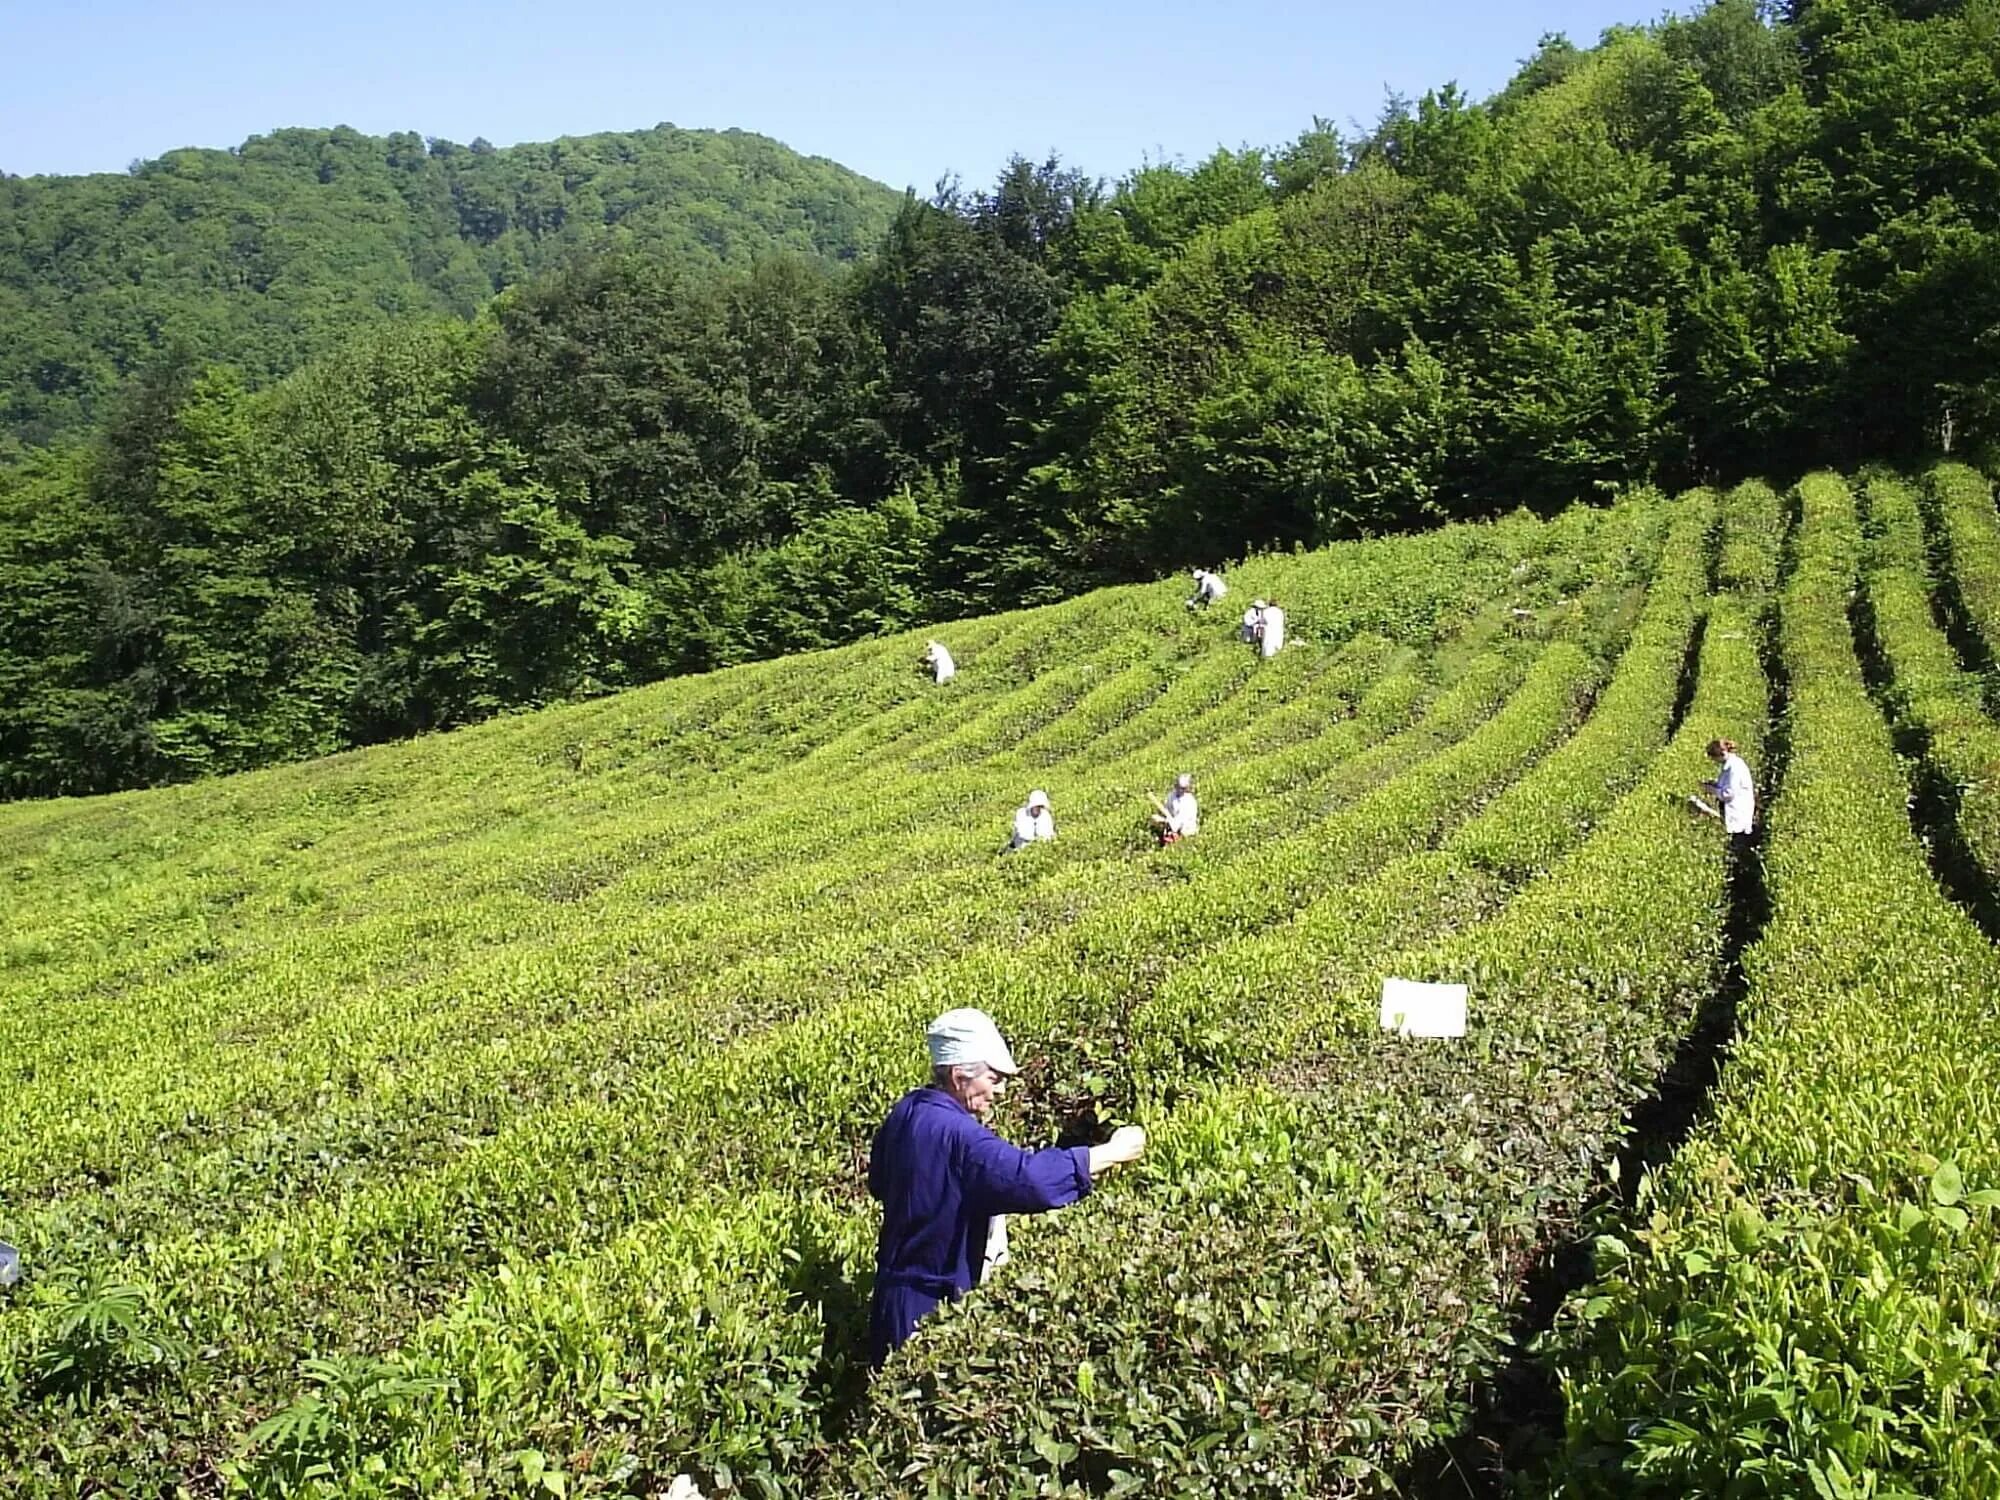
(938, 659)
(944, 1180)
(1734, 791)
(1033, 822)
(1208, 587)
(1178, 817)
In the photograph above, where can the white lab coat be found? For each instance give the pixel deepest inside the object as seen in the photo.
(996, 1247)
(1183, 816)
(941, 662)
(1274, 631)
(1737, 794)
(1033, 826)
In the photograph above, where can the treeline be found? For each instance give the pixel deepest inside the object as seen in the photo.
(276, 251)
(1732, 242)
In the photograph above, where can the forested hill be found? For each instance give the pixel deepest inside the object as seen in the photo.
(268, 254)
(1742, 241)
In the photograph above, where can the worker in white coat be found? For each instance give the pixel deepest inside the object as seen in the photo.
(1033, 822)
(1253, 622)
(1735, 793)
(938, 659)
(1271, 632)
(1178, 817)
(1208, 587)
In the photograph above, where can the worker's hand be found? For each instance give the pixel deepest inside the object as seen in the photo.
(1127, 1142)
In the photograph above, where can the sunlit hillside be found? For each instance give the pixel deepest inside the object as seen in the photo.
(486, 1114)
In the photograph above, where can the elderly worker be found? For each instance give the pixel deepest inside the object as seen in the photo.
(938, 658)
(943, 1179)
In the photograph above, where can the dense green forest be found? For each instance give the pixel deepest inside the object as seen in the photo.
(1741, 241)
(274, 252)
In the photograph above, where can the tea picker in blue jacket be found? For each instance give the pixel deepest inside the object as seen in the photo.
(946, 1182)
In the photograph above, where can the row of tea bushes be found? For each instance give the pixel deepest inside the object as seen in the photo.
(1803, 1304)
(1926, 690)
(1960, 501)
(1523, 830)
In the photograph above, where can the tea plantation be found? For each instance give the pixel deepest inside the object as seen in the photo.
(486, 1114)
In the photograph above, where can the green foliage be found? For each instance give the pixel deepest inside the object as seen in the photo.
(1927, 692)
(1732, 242)
(1968, 534)
(320, 1442)
(103, 1338)
(1538, 816)
(1795, 1308)
(534, 1059)
(271, 253)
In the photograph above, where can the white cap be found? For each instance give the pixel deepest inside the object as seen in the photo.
(1194, 573)
(1184, 781)
(966, 1037)
(1258, 604)
(1038, 798)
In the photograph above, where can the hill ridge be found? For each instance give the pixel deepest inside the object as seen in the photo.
(267, 254)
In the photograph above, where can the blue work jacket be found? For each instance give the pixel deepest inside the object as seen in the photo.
(940, 1177)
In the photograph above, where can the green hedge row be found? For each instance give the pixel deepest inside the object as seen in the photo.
(1928, 691)
(1529, 823)
(1804, 1302)
(1961, 504)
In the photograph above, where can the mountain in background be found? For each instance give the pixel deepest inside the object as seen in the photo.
(268, 254)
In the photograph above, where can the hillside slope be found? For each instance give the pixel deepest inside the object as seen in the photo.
(487, 1111)
(267, 254)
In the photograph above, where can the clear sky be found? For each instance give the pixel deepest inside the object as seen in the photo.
(903, 93)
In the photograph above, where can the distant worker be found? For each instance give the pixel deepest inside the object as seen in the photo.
(1033, 822)
(938, 659)
(1734, 791)
(1253, 622)
(1178, 817)
(1265, 629)
(1270, 635)
(1208, 587)
(944, 1180)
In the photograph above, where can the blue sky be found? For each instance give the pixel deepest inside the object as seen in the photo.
(901, 93)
